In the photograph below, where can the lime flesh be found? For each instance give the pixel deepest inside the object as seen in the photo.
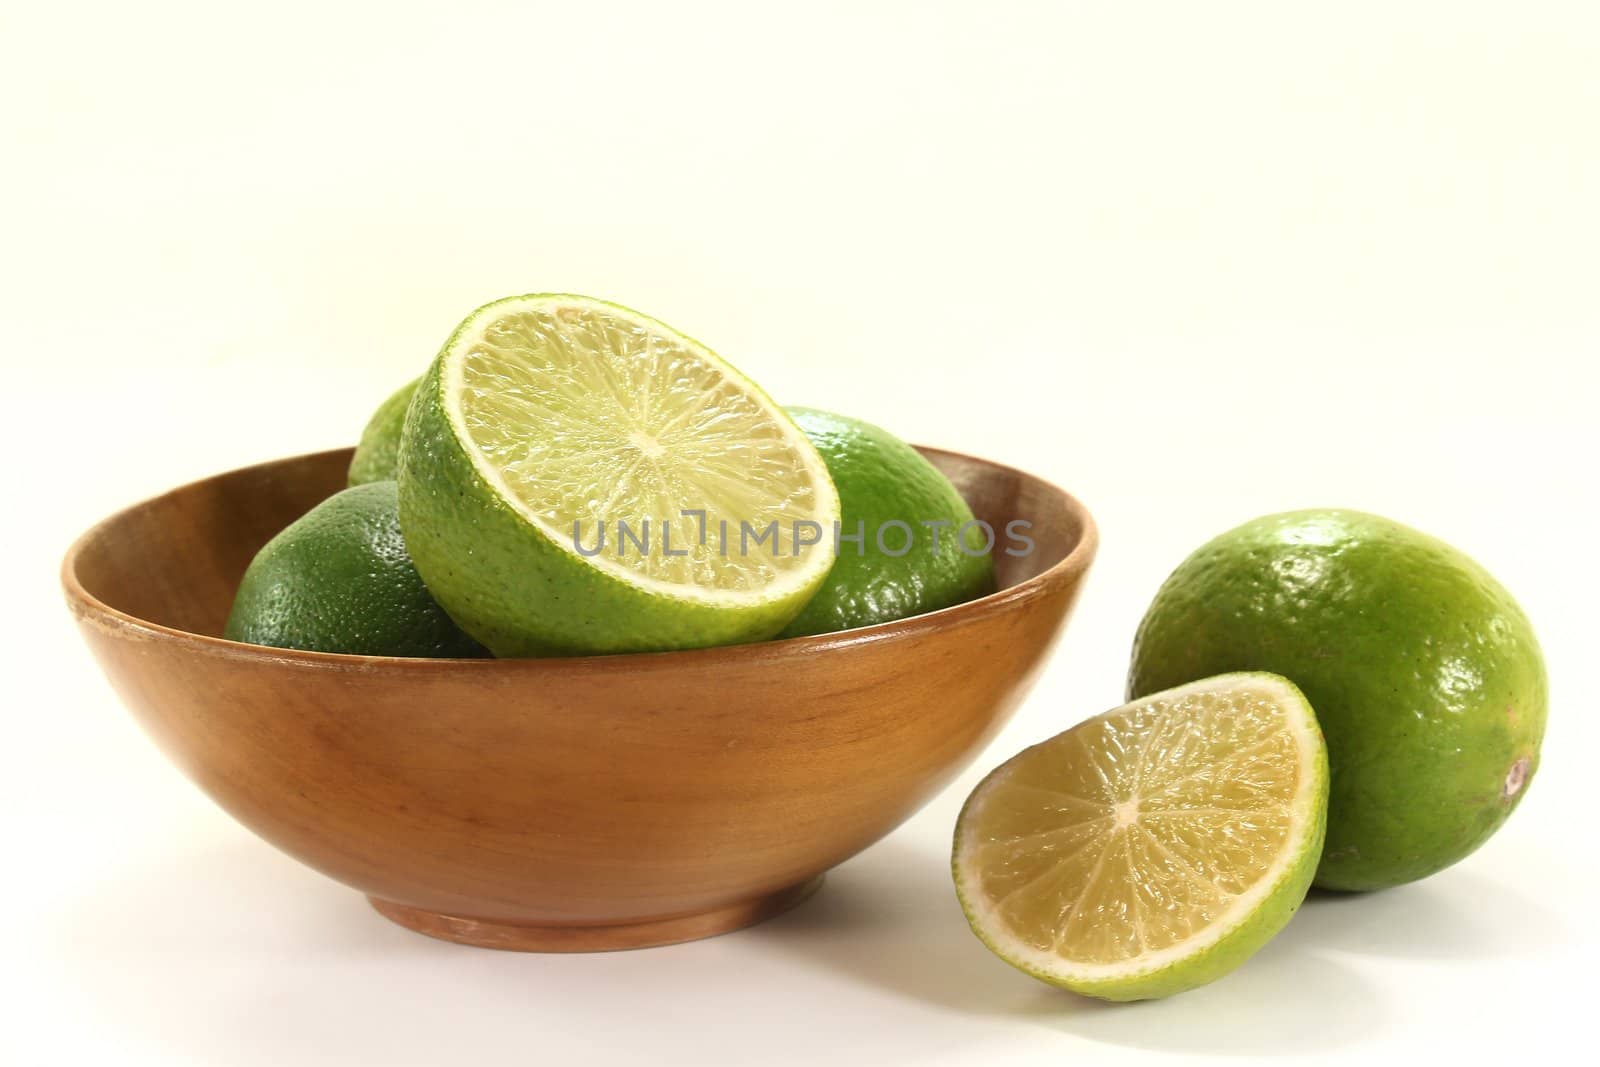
(1151, 849)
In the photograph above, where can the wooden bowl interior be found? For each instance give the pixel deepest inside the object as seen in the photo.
(176, 560)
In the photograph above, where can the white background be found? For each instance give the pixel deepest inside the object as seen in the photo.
(1195, 262)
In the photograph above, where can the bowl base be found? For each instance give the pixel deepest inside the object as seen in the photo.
(529, 937)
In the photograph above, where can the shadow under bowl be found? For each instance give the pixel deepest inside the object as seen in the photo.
(568, 804)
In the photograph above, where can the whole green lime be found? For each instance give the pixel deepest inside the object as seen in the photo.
(916, 552)
(1425, 674)
(338, 579)
(377, 457)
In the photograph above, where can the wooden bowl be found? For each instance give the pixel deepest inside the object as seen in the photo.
(562, 804)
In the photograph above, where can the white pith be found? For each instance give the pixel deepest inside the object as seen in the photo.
(1302, 728)
(804, 575)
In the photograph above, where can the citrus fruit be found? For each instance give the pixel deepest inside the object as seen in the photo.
(1425, 675)
(378, 451)
(338, 580)
(576, 477)
(1151, 849)
(926, 559)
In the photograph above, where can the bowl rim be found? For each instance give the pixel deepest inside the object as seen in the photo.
(91, 610)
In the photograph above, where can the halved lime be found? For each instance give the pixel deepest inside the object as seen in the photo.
(578, 477)
(1151, 849)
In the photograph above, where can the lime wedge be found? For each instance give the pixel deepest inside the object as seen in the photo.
(1151, 849)
(578, 477)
